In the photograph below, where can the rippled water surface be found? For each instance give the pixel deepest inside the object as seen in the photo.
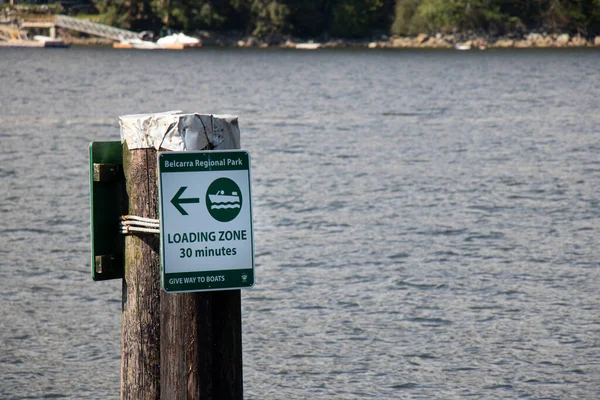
(426, 223)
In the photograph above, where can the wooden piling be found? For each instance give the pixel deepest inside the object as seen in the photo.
(175, 346)
(201, 344)
(140, 318)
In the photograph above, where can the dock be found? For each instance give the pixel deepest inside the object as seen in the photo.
(16, 36)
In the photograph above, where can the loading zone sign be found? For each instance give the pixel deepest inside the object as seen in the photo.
(206, 240)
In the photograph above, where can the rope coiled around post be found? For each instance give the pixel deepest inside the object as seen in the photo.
(131, 223)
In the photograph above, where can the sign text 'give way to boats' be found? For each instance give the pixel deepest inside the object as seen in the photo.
(206, 239)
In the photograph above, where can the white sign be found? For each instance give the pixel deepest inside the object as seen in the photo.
(205, 220)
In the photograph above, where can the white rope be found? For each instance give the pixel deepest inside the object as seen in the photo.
(139, 223)
(128, 229)
(141, 219)
(132, 223)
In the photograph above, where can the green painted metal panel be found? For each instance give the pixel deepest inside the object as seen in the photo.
(108, 201)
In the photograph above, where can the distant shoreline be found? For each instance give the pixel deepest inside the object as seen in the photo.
(422, 41)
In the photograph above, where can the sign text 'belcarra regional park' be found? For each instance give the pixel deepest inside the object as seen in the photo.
(205, 220)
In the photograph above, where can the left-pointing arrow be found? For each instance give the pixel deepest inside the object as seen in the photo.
(177, 200)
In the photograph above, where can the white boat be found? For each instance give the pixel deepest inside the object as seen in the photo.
(136, 44)
(462, 47)
(178, 40)
(308, 46)
(143, 44)
(221, 197)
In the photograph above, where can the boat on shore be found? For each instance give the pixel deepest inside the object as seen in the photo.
(462, 47)
(136, 44)
(308, 46)
(177, 41)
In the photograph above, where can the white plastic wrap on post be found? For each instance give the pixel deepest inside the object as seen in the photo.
(177, 131)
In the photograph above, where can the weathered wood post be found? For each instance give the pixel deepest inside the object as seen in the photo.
(175, 346)
(140, 319)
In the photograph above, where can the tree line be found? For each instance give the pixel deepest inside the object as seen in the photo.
(353, 18)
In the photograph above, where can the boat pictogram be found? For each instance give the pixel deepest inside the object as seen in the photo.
(222, 200)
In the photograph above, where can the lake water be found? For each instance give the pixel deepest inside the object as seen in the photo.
(426, 222)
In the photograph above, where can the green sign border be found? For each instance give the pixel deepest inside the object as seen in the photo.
(204, 161)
